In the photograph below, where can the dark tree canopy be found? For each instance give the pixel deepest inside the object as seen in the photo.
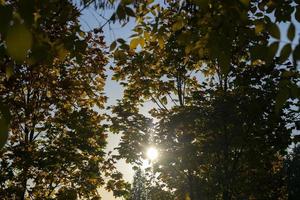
(226, 95)
(51, 86)
(222, 76)
(293, 173)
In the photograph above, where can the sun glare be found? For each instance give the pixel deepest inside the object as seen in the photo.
(152, 153)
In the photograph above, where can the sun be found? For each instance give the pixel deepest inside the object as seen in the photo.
(152, 153)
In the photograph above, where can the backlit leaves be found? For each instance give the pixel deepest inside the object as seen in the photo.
(134, 43)
(18, 41)
(240, 63)
(161, 42)
(210, 68)
(137, 41)
(179, 24)
(52, 80)
(259, 27)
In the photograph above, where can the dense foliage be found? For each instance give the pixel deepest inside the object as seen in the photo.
(51, 90)
(226, 95)
(222, 76)
(139, 185)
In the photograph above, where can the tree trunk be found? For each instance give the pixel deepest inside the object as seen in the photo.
(23, 189)
(191, 187)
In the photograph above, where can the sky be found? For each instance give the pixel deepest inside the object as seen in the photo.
(91, 19)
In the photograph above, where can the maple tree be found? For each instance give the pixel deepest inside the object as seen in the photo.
(226, 95)
(52, 80)
(222, 76)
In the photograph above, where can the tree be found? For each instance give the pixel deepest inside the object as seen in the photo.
(228, 135)
(293, 173)
(52, 79)
(139, 189)
(31, 31)
(222, 95)
(144, 186)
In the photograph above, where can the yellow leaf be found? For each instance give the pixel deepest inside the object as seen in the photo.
(161, 42)
(187, 196)
(134, 42)
(82, 34)
(18, 42)
(9, 71)
(188, 49)
(37, 16)
(49, 94)
(142, 42)
(147, 36)
(259, 28)
(62, 53)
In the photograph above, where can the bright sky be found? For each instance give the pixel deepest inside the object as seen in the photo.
(89, 20)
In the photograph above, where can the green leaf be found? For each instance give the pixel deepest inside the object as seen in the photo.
(259, 27)
(296, 53)
(295, 91)
(188, 49)
(121, 41)
(62, 52)
(291, 32)
(113, 17)
(9, 71)
(179, 24)
(274, 30)
(129, 11)
(18, 42)
(245, 2)
(164, 100)
(285, 52)
(113, 46)
(126, 2)
(272, 50)
(121, 12)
